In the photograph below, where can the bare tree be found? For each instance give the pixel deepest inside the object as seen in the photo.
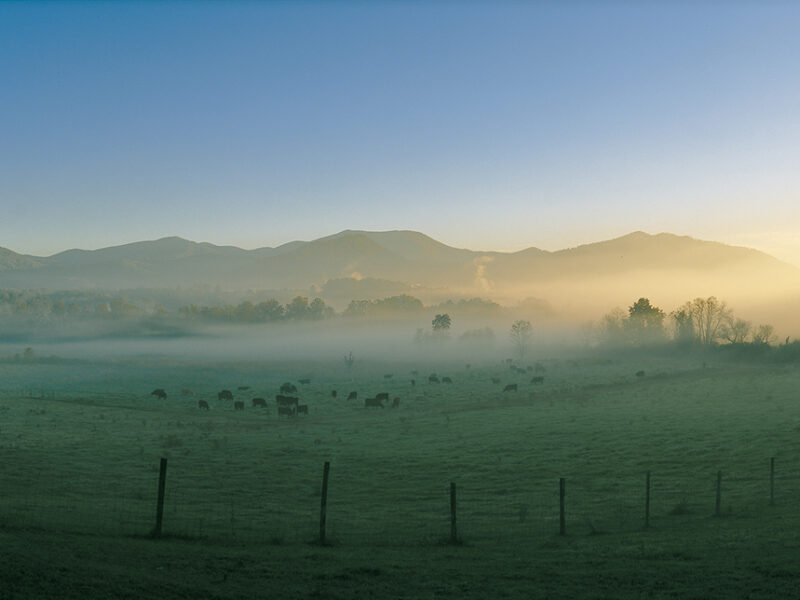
(764, 334)
(708, 317)
(521, 334)
(737, 330)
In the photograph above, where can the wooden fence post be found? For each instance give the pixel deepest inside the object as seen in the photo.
(562, 484)
(718, 510)
(772, 481)
(453, 527)
(323, 509)
(162, 482)
(647, 502)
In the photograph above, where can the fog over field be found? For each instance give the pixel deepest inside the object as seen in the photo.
(412, 300)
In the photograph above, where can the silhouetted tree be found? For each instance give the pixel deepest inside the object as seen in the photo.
(645, 322)
(684, 326)
(737, 330)
(709, 317)
(764, 334)
(521, 334)
(441, 323)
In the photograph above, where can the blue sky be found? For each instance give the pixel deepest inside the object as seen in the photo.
(484, 125)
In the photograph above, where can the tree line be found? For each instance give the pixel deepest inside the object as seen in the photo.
(702, 322)
(63, 305)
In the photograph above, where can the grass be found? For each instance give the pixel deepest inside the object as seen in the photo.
(83, 459)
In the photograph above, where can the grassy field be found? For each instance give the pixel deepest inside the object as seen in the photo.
(80, 445)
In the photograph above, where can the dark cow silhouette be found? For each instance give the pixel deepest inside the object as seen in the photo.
(495, 380)
(243, 388)
(372, 402)
(640, 373)
(388, 376)
(333, 393)
(286, 400)
(238, 405)
(395, 402)
(352, 396)
(259, 402)
(302, 409)
(202, 404)
(511, 387)
(432, 378)
(286, 410)
(382, 396)
(446, 380)
(288, 388)
(304, 381)
(537, 380)
(225, 395)
(159, 393)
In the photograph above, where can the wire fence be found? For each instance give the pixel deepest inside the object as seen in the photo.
(399, 511)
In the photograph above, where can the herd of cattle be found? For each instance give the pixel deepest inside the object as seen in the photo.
(288, 403)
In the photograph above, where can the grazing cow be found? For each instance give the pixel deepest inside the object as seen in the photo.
(286, 400)
(640, 373)
(352, 396)
(537, 380)
(260, 402)
(304, 381)
(302, 409)
(382, 396)
(286, 410)
(225, 395)
(333, 393)
(243, 388)
(202, 404)
(511, 387)
(432, 378)
(238, 405)
(159, 393)
(446, 380)
(495, 380)
(372, 402)
(395, 402)
(388, 376)
(187, 392)
(288, 388)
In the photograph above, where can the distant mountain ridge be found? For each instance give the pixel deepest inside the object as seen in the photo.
(408, 257)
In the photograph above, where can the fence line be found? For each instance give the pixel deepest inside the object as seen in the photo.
(403, 515)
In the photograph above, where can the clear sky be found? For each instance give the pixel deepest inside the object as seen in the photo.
(485, 125)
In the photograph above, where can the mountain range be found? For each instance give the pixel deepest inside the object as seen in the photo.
(351, 262)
